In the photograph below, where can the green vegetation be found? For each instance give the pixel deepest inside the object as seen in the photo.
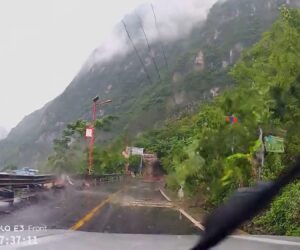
(108, 161)
(71, 155)
(203, 153)
(134, 163)
(231, 26)
(284, 214)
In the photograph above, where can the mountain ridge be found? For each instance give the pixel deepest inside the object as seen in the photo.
(197, 65)
(3, 133)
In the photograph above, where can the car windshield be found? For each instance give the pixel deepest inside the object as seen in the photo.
(140, 124)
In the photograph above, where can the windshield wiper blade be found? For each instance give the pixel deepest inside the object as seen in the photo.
(242, 206)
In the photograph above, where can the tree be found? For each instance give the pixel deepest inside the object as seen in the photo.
(70, 149)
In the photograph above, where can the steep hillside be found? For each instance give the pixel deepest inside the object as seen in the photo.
(197, 69)
(210, 157)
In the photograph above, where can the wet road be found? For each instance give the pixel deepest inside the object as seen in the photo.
(134, 207)
(130, 215)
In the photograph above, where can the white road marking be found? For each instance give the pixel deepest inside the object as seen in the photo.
(268, 240)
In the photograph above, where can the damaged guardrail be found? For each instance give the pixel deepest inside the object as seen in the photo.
(15, 181)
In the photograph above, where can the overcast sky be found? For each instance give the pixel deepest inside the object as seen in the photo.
(43, 44)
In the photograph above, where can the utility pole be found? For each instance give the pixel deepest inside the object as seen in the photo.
(90, 131)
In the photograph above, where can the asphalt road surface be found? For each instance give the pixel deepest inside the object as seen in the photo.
(134, 207)
(120, 215)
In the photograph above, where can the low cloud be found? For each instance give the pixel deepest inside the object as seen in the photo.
(175, 19)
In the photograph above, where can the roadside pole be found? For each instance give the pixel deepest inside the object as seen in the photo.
(141, 164)
(90, 131)
(261, 154)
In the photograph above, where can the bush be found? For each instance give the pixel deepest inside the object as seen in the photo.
(171, 182)
(134, 163)
(283, 217)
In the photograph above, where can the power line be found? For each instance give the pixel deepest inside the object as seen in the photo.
(161, 44)
(149, 48)
(136, 51)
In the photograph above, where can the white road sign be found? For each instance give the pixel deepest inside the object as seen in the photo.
(89, 133)
(135, 151)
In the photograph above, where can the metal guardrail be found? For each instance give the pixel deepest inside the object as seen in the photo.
(108, 178)
(11, 180)
(101, 178)
(15, 181)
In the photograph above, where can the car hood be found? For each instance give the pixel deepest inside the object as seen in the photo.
(65, 239)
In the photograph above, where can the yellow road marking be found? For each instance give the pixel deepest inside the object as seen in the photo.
(91, 213)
